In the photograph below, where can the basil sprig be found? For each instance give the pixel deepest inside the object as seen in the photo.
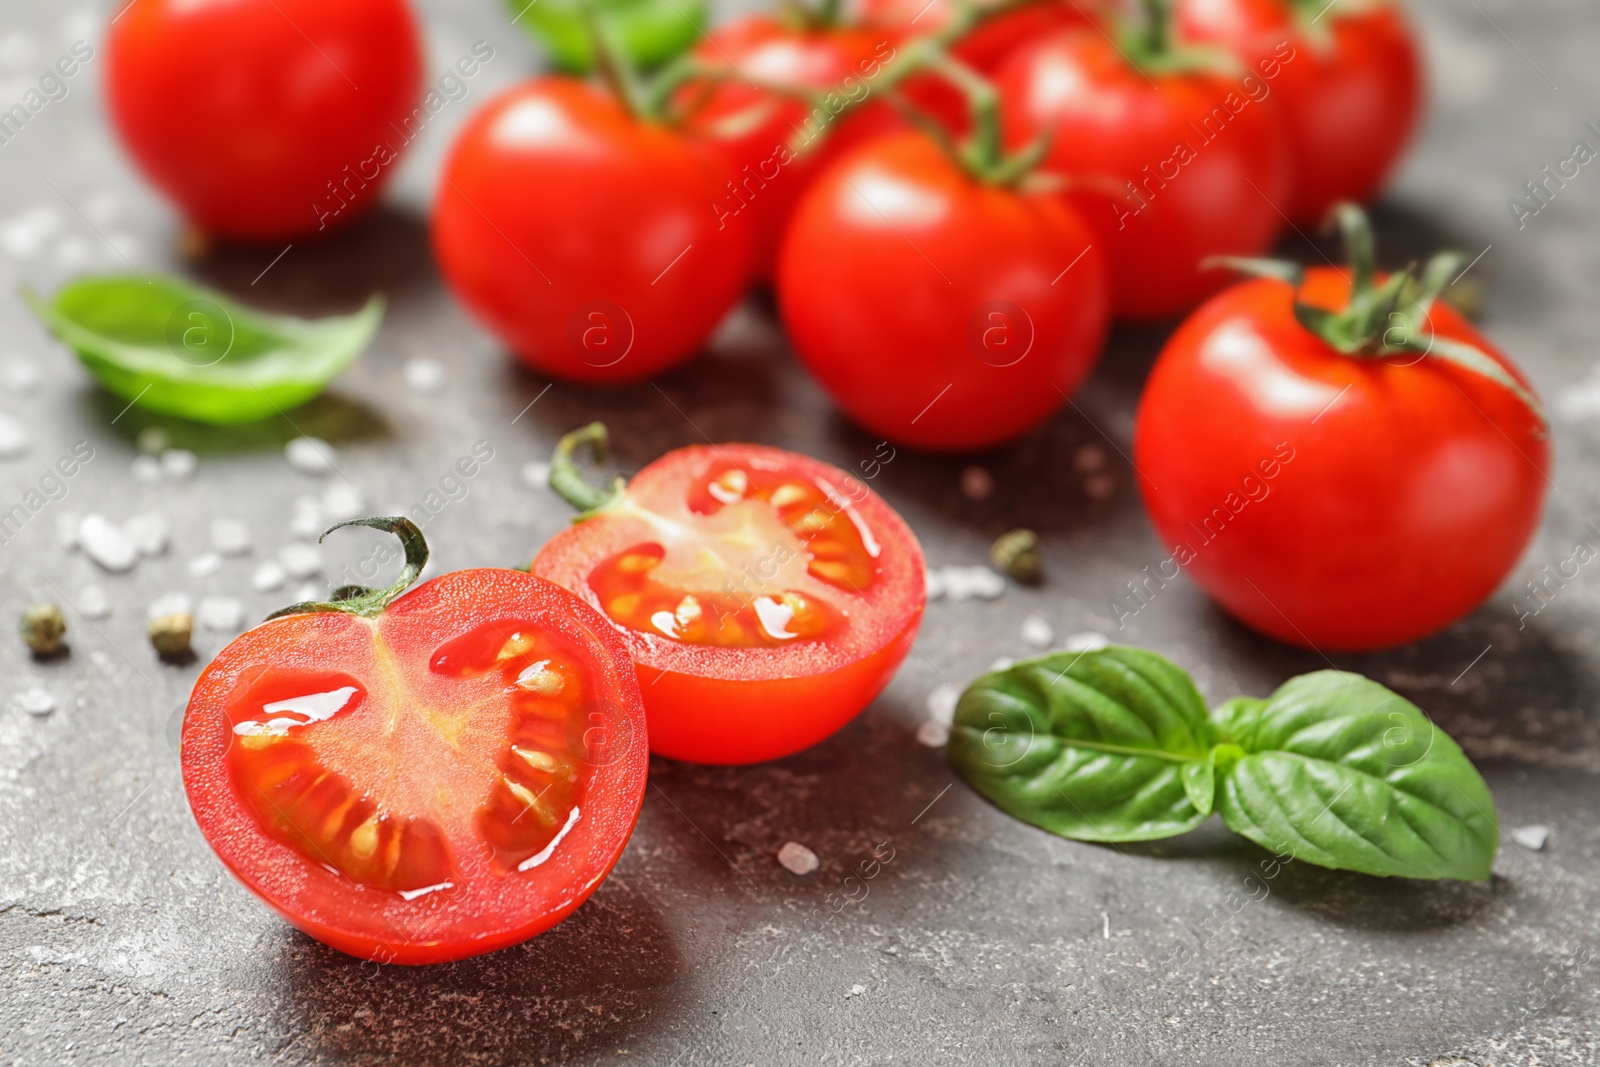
(1333, 768)
(182, 350)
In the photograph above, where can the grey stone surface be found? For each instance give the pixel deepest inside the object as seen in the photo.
(984, 941)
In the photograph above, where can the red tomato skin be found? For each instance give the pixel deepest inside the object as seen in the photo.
(768, 177)
(1408, 494)
(881, 301)
(367, 923)
(1116, 137)
(733, 706)
(247, 113)
(1350, 93)
(555, 200)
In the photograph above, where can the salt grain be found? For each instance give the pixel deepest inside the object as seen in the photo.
(1531, 837)
(311, 455)
(169, 604)
(67, 530)
(977, 483)
(14, 440)
(856, 990)
(146, 469)
(536, 475)
(106, 544)
(205, 565)
(341, 501)
(1085, 642)
(1089, 458)
(964, 583)
(798, 859)
(1004, 663)
(941, 703)
(179, 464)
(35, 701)
(300, 560)
(20, 379)
(1099, 487)
(935, 584)
(305, 518)
(307, 591)
(93, 603)
(933, 734)
(231, 537)
(1037, 631)
(268, 576)
(149, 533)
(425, 376)
(221, 613)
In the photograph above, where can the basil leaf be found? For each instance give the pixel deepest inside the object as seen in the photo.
(182, 350)
(1109, 745)
(1342, 772)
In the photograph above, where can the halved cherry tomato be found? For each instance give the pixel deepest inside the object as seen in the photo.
(1340, 499)
(939, 310)
(1168, 169)
(423, 780)
(266, 119)
(756, 129)
(766, 597)
(1349, 79)
(584, 236)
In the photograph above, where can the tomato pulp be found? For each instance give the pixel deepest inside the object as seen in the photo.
(1167, 169)
(445, 778)
(266, 120)
(1334, 502)
(941, 311)
(777, 144)
(1350, 91)
(584, 237)
(766, 597)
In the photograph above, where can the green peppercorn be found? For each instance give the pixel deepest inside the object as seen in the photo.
(171, 634)
(1017, 553)
(43, 627)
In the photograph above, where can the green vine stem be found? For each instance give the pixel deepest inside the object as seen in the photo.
(1388, 317)
(569, 482)
(357, 599)
(1151, 44)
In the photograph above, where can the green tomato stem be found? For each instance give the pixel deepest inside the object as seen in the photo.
(570, 484)
(359, 600)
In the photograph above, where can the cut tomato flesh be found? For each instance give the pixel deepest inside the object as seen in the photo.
(478, 761)
(748, 573)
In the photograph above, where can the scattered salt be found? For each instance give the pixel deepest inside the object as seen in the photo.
(14, 440)
(935, 584)
(231, 537)
(933, 734)
(179, 464)
(35, 701)
(942, 702)
(1004, 663)
(67, 530)
(1531, 837)
(305, 517)
(977, 483)
(798, 859)
(221, 613)
(146, 468)
(1088, 641)
(307, 591)
(20, 379)
(312, 455)
(425, 375)
(149, 533)
(536, 475)
(267, 577)
(1037, 631)
(341, 501)
(205, 565)
(964, 583)
(169, 604)
(300, 560)
(1100, 487)
(93, 603)
(856, 990)
(106, 544)
(1089, 458)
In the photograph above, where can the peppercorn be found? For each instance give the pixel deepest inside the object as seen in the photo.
(43, 627)
(1017, 553)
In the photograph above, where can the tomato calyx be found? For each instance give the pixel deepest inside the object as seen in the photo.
(1389, 317)
(358, 599)
(1152, 46)
(569, 482)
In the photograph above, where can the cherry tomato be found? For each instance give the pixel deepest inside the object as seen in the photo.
(754, 127)
(767, 598)
(584, 237)
(648, 32)
(1334, 502)
(266, 120)
(1167, 169)
(1349, 83)
(440, 778)
(940, 311)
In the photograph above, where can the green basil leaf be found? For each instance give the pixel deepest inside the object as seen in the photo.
(182, 350)
(1342, 772)
(1110, 745)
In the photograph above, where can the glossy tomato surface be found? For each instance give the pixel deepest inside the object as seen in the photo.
(766, 597)
(585, 238)
(1349, 86)
(449, 778)
(937, 310)
(757, 130)
(1167, 169)
(1332, 502)
(266, 120)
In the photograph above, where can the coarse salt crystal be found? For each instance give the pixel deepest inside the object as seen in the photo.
(977, 483)
(35, 701)
(179, 464)
(1089, 641)
(425, 375)
(311, 455)
(93, 603)
(231, 537)
(300, 560)
(1037, 631)
(105, 543)
(933, 734)
(221, 613)
(149, 533)
(941, 703)
(268, 576)
(797, 859)
(205, 565)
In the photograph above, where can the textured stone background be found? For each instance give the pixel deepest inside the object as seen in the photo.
(984, 940)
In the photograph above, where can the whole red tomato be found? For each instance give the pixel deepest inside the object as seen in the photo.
(584, 237)
(757, 129)
(942, 311)
(1166, 168)
(991, 42)
(1349, 84)
(417, 776)
(266, 120)
(767, 598)
(1336, 500)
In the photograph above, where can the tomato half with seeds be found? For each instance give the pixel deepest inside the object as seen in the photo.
(420, 775)
(766, 597)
